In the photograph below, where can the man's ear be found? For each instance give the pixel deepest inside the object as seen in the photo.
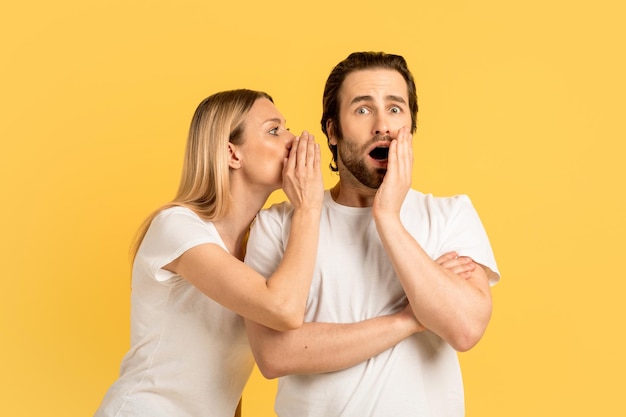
(234, 156)
(330, 129)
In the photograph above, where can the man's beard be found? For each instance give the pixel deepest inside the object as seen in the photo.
(354, 161)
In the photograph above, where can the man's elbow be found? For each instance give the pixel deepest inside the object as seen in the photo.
(465, 341)
(467, 336)
(270, 367)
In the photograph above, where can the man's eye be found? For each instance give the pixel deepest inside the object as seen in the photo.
(395, 109)
(362, 110)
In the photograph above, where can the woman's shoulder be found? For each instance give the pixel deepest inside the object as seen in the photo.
(176, 211)
(180, 220)
(178, 214)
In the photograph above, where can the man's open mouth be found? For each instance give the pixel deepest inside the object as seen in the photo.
(380, 153)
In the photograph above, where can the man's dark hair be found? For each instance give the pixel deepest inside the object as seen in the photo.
(357, 61)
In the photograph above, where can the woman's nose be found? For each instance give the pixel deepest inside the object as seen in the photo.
(289, 138)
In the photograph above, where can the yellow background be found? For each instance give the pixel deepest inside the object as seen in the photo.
(522, 108)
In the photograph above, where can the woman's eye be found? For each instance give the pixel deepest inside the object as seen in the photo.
(277, 131)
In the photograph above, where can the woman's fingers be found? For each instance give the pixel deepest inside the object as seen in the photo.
(302, 177)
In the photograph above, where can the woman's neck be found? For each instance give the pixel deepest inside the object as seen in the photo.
(234, 226)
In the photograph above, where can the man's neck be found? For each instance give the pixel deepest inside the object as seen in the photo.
(352, 195)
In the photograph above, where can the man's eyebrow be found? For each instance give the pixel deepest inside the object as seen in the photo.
(359, 99)
(398, 99)
(391, 97)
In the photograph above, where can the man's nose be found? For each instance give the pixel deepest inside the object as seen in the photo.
(381, 126)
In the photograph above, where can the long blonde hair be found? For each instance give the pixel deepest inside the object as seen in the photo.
(205, 182)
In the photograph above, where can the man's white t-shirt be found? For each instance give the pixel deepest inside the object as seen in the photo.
(189, 356)
(353, 281)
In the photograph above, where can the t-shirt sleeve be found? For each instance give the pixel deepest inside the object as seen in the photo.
(465, 234)
(267, 240)
(171, 233)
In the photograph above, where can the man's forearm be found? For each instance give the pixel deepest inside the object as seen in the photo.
(456, 309)
(326, 347)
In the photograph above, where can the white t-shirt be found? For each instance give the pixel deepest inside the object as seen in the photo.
(189, 356)
(353, 281)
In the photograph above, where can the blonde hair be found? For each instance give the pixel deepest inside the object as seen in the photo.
(205, 182)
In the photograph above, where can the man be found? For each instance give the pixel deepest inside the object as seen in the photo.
(363, 351)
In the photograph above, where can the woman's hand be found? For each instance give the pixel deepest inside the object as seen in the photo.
(302, 174)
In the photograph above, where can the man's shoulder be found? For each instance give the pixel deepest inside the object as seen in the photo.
(436, 204)
(284, 209)
(276, 211)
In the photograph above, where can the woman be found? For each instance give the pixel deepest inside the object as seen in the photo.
(189, 354)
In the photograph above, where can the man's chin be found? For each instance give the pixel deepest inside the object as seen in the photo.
(376, 179)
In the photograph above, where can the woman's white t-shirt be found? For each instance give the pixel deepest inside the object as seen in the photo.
(189, 356)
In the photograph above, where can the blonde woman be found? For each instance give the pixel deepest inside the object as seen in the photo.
(189, 355)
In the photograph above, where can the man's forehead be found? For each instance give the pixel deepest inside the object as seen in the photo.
(363, 85)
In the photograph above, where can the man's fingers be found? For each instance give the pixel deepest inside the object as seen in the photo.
(446, 257)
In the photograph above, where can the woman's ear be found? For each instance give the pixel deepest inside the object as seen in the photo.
(234, 156)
